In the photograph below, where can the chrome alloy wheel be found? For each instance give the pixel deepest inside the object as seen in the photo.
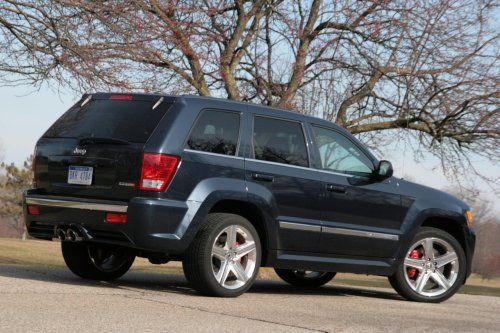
(233, 257)
(431, 266)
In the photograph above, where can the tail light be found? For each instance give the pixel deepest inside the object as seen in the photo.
(157, 170)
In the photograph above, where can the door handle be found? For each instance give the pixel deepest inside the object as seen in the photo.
(335, 188)
(262, 177)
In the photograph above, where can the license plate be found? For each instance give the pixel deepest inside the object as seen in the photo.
(80, 175)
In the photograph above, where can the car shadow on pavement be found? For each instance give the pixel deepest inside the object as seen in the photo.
(278, 287)
(175, 283)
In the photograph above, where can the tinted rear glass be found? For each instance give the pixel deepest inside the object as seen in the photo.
(132, 121)
(279, 141)
(215, 132)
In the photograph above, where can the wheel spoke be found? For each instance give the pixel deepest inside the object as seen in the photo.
(239, 272)
(219, 252)
(428, 245)
(422, 280)
(223, 272)
(445, 259)
(244, 249)
(415, 263)
(440, 279)
(231, 235)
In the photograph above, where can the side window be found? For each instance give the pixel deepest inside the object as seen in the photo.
(339, 154)
(279, 141)
(215, 132)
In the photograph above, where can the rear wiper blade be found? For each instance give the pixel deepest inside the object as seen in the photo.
(104, 140)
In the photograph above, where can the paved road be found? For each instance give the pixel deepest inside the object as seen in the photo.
(43, 299)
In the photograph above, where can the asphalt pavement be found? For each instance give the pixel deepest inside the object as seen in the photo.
(40, 299)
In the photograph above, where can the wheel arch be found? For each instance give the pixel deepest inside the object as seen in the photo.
(456, 225)
(252, 213)
(451, 226)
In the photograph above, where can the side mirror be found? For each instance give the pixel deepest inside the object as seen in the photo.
(384, 170)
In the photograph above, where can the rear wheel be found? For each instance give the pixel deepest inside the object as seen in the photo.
(302, 278)
(224, 258)
(96, 262)
(433, 268)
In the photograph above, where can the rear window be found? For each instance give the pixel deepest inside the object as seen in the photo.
(133, 121)
(280, 141)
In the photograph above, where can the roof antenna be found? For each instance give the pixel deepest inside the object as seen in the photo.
(157, 103)
(86, 100)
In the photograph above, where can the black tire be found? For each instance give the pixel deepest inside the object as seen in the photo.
(198, 262)
(398, 280)
(95, 262)
(299, 279)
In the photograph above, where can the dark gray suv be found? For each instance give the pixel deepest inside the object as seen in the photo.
(227, 187)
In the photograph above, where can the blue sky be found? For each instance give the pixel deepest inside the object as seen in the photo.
(26, 113)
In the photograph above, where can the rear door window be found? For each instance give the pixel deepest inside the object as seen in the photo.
(132, 121)
(280, 141)
(216, 132)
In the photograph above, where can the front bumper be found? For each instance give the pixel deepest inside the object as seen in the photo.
(155, 225)
(470, 245)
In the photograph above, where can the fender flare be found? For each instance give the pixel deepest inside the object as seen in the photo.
(211, 191)
(416, 220)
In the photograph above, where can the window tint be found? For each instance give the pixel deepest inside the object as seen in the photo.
(339, 154)
(132, 121)
(279, 141)
(215, 132)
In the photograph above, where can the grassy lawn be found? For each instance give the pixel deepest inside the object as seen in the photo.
(43, 253)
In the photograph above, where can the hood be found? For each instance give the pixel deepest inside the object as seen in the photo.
(432, 196)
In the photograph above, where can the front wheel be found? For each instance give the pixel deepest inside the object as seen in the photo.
(305, 279)
(433, 268)
(96, 262)
(224, 258)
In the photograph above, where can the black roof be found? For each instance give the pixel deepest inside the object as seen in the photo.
(227, 103)
(222, 102)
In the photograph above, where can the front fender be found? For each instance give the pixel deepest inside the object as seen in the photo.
(416, 218)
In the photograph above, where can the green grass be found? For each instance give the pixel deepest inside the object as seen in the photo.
(48, 254)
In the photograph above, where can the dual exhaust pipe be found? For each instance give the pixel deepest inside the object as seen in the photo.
(70, 234)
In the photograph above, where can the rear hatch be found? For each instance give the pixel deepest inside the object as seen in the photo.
(95, 149)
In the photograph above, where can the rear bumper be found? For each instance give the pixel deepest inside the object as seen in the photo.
(156, 225)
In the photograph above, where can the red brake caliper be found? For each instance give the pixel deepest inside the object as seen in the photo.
(412, 272)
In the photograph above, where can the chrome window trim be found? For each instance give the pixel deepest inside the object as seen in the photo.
(211, 154)
(63, 203)
(299, 226)
(267, 162)
(359, 233)
(336, 173)
(300, 167)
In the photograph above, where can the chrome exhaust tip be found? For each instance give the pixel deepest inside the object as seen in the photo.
(61, 234)
(71, 235)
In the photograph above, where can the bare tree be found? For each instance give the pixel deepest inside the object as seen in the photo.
(425, 68)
